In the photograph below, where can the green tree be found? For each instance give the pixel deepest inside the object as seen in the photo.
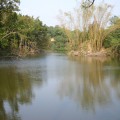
(8, 18)
(20, 34)
(113, 39)
(60, 38)
(39, 34)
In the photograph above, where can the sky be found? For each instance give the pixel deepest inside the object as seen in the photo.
(47, 10)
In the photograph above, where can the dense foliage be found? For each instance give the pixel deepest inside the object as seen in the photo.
(20, 34)
(58, 38)
(113, 39)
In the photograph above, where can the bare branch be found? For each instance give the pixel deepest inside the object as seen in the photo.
(88, 3)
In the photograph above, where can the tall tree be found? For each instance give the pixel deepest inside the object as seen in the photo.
(8, 19)
(88, 24)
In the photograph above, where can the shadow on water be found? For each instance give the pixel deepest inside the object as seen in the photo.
(91, 81)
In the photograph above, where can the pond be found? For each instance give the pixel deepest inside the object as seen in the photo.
(57, 87)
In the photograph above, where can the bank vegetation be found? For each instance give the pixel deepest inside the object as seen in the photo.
(91, 31)
(20, 35)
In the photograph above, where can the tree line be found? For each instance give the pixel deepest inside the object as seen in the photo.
(85, 29)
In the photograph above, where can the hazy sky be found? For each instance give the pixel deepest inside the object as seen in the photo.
(47, 10)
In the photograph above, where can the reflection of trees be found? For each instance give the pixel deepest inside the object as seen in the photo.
(15, 89)
(115, 77)
(89, 83)
(95, 91)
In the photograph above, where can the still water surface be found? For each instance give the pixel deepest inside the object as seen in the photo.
(56, 87)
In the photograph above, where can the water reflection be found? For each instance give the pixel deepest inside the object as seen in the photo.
(15, 88)
(55, 87)
(91, 82)
(17, 79)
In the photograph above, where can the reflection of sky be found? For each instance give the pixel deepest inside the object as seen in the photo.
(48, 10)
